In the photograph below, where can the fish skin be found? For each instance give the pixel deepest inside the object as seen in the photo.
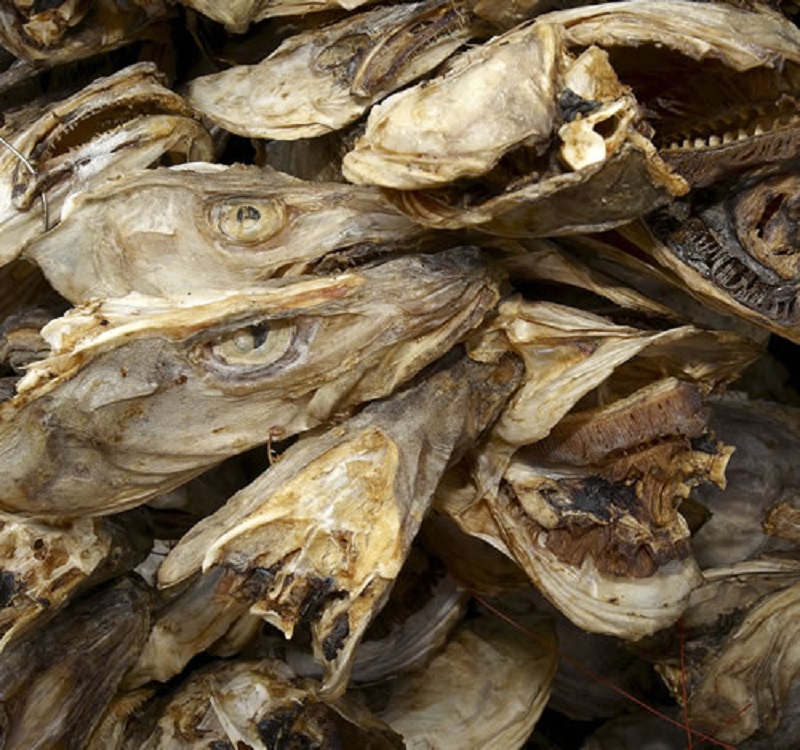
(234, 226)
(111, 419)
(56, 681)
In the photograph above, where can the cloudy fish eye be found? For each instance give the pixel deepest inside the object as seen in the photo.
(243, 220)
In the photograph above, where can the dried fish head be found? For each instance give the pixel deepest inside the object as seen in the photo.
(741, 659)
(720, 101)
(57, 32)
(252, 704)
(110, 420)
(321, 536)
(56, 681)
(321, 80)
(124, 122)
(596, 171)
(234, 226)
(461, 123)
(637, 462)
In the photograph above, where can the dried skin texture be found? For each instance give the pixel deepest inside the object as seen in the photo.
(237, 15)
(511, 12)
(184, 627)
(460, 124)
(612, 258)
(252, 704)
(110, 420)
(754, 660)
(595, 172)
(118, 124)
(43, 565)
(51, 33)
(737, 250)
(321, 80)
(233, 226)
(322, 535)
(56, 681)
(20, 340)
(424, 606)
(568, 353)
(697, 30)
(762, 484)
(486, 689)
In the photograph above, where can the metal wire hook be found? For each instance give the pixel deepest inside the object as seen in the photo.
(31, 169)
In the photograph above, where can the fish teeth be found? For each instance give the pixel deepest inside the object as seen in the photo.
(714, 140)
(699, 143)
(759, 130)
(742, 135)
(729, 137)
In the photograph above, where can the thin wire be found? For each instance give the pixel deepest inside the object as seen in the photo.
(31, 169)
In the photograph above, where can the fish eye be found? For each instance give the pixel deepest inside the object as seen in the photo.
(247, 356)
(259, 345)
(248, 221)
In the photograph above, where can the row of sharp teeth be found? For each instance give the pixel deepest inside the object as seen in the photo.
(732, 136)
(715, 140)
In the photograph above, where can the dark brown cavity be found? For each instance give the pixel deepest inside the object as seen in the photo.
(712, 122)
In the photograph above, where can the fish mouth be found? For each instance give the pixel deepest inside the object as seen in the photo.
(711, 122)
(707, 243)
(63, 137)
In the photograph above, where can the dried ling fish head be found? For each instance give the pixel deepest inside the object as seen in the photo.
(234, 226)
(720, 101)
(110, 420)
(59, 31)
(321, 80)
(124, 122)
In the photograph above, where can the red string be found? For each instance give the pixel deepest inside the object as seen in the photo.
(692, 733)
(684, 691)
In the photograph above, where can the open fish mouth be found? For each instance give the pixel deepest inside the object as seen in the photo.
(117, 110)
(709, 119)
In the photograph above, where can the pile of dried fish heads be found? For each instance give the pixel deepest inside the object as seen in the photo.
(399, 374)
